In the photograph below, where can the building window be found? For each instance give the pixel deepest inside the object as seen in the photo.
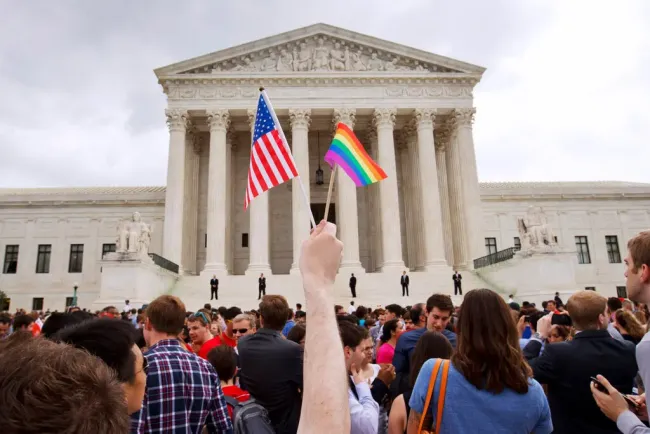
(583, 250)
(11, 259)
(590, 288)
(76, 258)
(206, 241)
(107, 248)
(613, 253)
(43, 258)
(490, 245)
(68, 302)
(37, 303)
(244, 240)
(517, 243)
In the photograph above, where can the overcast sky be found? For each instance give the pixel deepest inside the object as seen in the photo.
(565, 95)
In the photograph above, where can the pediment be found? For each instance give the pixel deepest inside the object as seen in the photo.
(319, 49)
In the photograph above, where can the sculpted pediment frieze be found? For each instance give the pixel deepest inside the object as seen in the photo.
(319, 54)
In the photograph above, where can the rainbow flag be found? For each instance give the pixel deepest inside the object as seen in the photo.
(347, 152)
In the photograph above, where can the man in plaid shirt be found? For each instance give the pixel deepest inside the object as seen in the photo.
(183, 391)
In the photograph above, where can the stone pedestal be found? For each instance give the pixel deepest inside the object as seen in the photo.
(130, 276)
(535, 275)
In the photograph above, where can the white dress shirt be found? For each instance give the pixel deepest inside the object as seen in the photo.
(364, 412)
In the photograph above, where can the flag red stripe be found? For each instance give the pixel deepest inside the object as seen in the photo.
(278, 143)
(286, 156)
(263, 142)
(258, 176)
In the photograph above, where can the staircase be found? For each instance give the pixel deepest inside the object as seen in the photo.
(373, 289)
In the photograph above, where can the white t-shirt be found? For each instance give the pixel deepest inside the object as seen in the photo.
(127, 308)
(351, 310)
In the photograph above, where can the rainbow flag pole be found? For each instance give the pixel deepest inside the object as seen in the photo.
(347, 151)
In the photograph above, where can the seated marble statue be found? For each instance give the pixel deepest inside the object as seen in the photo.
(133, 236)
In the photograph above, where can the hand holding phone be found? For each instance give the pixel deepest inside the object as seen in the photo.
(603, 389)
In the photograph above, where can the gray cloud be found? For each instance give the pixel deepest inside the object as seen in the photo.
(563, 98)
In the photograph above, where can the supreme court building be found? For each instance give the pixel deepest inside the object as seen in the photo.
(412, 110)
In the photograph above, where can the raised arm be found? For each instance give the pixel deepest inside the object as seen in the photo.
(325, 406)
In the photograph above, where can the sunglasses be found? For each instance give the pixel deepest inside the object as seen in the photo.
(201, 315)
(240, 331)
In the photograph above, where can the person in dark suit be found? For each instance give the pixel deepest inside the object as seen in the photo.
(214, 288)
(566, 367)
(261, 288)
(271, 366)
(404, 281)
(457, 278)
(353, 286)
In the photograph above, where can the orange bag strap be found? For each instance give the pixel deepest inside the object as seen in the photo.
(427, 401)
(441, 394)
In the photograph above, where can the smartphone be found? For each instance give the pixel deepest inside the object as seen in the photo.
(602, 388)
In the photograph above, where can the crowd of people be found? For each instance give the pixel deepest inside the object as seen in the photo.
(488, 365)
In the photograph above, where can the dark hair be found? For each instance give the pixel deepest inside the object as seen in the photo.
(441, 301)
(614, 304)
(297, 333)
(207, 306)
(5, 319)
(274, 310)
(417, 310)
(139, 338)
(534, 317)
(351, 334)
(298, 306)
(224, 361)
(68, 390)
(21, 321)
(361, 312)
(544, 304)
(231, 313)
(337, 307)
(290, 314)
(166, 314)
(431, 345)
(395, 309)
(389, 327)
(110, 340)
(58, 321)
(487, 353)
(301, 314)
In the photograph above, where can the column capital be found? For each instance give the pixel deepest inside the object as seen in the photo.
(299, 118)
(465, 116)
(348, 116)
(424, 117)
(218, 120)
(177, 119)
(384, 117)
(441, 138)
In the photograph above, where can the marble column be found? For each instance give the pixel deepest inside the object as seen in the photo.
(258, 231)
(442, 139)
(346, 205)
(177, 120)
(471, 193)
(434, 251)
(457, 208)
(416, 194)
(191, 215)
(300, 120)
(408, 196)
(384, 121)
(375, 219)
(215, 260)
(231, 147)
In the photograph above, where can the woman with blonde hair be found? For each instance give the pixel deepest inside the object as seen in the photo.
(629, 326)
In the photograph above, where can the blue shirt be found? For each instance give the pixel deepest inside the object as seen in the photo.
(288, 326)
(406, 344)
(470, 410)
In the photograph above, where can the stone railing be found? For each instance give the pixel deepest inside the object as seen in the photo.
(164, 263)
(495, 258)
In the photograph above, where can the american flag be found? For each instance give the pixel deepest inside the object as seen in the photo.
(271, 160)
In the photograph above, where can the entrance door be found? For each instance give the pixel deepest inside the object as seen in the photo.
(318, 209)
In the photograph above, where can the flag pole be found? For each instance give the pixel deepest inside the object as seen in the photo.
(329, 193)
(284, 139)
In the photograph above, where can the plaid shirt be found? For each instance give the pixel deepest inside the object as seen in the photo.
(183, 394)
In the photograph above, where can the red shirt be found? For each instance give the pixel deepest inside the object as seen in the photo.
(207, 346)
(237, 393)
(232, 343)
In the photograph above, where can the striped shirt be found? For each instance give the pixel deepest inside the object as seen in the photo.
(183, 394)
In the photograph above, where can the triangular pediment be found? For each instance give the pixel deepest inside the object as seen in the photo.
(319, 48)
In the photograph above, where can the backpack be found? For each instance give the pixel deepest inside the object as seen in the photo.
(249, 417)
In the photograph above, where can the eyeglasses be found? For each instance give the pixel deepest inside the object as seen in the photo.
(201, 315)
(240, 331)
(145, 366)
